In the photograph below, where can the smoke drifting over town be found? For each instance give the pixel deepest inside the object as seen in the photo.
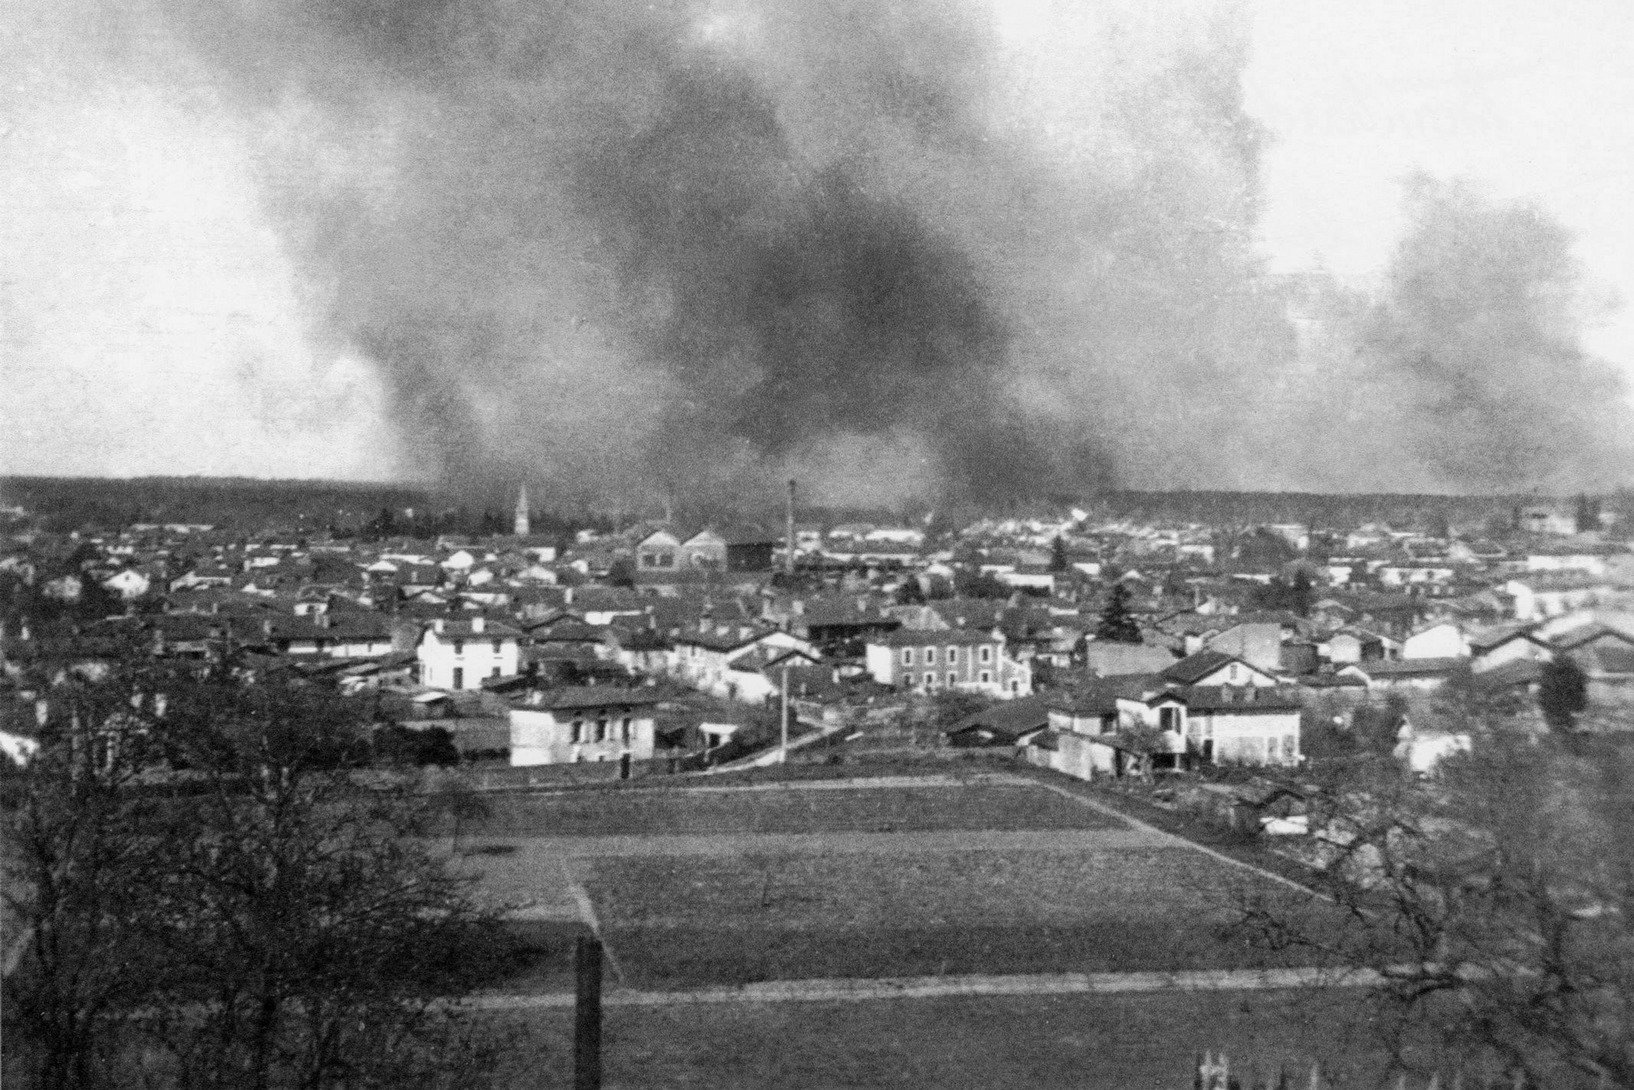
(695, 248)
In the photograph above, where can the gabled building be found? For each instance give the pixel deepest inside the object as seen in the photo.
(592, 723)
(704, 658)
(1216, 668)
(459, 654)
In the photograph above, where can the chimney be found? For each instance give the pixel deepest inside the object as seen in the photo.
(788, 516)
(477, 624)
(437, 625)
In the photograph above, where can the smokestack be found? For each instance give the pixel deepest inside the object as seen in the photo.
(788, 556)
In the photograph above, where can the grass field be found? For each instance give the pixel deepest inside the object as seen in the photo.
(872, 810)
(685, 921)
(1080, 1042)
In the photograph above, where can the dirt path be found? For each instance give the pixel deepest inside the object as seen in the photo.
(930, 987)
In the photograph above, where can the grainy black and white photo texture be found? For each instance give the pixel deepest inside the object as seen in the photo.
(1082, 544)
(958, 250)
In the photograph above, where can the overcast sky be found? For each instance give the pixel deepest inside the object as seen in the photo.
(151, 323)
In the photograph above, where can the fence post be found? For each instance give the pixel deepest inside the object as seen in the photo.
(587, 1015)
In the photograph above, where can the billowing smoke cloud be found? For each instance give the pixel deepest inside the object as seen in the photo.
(694, 247)
(1466, 372)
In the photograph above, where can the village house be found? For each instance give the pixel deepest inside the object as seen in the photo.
(592, 723)
(704, 658)
(1437, 640)
(1216, 668)
(1094, 730)
(460, 654)
(1405, 674)
(967, 660)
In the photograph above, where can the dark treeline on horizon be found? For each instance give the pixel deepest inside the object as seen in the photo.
(350, 507)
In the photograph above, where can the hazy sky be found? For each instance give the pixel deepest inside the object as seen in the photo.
(151, 322)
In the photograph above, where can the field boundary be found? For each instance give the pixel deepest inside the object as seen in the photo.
(856, 990)
(1176, 838)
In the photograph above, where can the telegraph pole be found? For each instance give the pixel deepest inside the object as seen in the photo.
(783, 755)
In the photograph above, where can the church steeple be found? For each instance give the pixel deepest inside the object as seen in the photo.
(521, 526)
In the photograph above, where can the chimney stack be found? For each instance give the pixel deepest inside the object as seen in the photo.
(788, 558)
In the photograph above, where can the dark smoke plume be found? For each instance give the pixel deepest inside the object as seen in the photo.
(692, 248)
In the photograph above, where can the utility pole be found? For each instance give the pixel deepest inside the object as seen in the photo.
(783, 754)
(587, 1015)
(788, 540)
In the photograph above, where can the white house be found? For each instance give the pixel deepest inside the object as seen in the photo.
(1221, 724)
(1440, 640)
(129, 583)
(964, 659)
(459, 654)
(705, 659)
(593, 723)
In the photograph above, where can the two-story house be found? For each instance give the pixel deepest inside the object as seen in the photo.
(459, 654)
(705, 658)
(964, 659)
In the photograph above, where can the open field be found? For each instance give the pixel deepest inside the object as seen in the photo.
(791, 810)
(678, 921)
(710, 887)
(1078, 1042)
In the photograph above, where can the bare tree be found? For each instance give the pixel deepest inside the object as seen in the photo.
(1495, 902)
(267, 917)
(73, 855)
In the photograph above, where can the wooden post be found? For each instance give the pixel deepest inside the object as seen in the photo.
(587, 1012)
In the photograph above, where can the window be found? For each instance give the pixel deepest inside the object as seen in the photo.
(930, 656)
(986, 654)
(459, 647)
(952, 680)
(625, 729)
(601, 727)
(930, 681)
(987, 677)
(495, 673)
(459, 678)
(1169, 719)
(953, 656)
(907, 656)
(499, 647)
(578, 731)
(1231, 673)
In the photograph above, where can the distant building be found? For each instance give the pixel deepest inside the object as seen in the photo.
(593, 723)
(966, 660)
(460, 654)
